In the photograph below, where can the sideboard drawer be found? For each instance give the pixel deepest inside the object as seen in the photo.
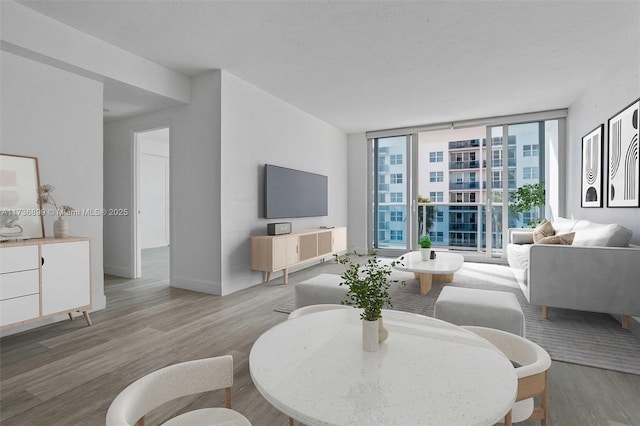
(19, 284)
(19, 309)
(13, 259)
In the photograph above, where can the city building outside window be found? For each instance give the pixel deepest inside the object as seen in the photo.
(396, 159)
(530, 172)
(396, 197)
(436, 176)
(436, 157)
(530, 150)
(396, 235)
(396, 217)
(436, 196)
(396, 177)
(439, 216)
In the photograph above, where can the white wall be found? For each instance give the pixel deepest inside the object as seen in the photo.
(357, 154)
(57, 116)
(219, 144)
(604, 97)
(258, 128)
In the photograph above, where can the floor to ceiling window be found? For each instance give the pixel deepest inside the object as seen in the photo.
(462, 181)
(391, 219)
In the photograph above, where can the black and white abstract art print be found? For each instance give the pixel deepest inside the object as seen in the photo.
(623, 165)
(592, 168)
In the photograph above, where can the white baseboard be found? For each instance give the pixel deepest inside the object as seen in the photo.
(117, 271)
(208, 287)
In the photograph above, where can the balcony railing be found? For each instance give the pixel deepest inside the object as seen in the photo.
(467, 185)
(382, 168)
(456, 165)
(383, 187)
(470, 143)
(499, 185)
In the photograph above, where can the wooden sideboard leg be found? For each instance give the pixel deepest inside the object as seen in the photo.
(545, 312)
(285, 275)
(625, 322)
(268, 277)
(291, 422)
(70, 316)
(87, 318)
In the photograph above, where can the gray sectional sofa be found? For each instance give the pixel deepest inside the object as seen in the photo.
(599, 272)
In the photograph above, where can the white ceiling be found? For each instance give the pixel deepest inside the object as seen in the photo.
(368, 65)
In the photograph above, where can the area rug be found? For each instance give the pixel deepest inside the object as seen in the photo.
(585, 338)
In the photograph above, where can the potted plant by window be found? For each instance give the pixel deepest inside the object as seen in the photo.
(369, 290)
(526, 198)
(425, 247)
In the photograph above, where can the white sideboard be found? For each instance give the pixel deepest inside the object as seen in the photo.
(271, 253)
(44, 277)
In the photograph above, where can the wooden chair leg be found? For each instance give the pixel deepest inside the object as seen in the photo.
(227, 397)
(291, 422)
(544, 400)
(70, 316)
(507, 419)
(545, 312)
(625, 322)
(141, 421)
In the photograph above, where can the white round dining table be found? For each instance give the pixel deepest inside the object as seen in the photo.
(427, 372)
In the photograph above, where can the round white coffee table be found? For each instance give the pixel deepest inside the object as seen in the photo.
(440, 269)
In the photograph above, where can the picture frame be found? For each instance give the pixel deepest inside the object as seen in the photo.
(623, 165)
(20, 212)
(592, 156)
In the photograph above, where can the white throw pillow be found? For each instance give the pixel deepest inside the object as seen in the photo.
(601, 235)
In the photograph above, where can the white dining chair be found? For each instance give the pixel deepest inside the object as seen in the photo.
(175, 381)
(316, 308)
(531, 364)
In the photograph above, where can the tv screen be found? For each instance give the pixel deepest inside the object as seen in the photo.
(294, 193)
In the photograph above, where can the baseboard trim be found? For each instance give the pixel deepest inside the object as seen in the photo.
(208, 287)
(117, 271)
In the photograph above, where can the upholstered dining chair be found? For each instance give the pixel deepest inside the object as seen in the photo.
(175, 381)
(531, 363)
(316, 308)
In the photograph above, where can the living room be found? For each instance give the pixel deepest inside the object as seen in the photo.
(57, 79)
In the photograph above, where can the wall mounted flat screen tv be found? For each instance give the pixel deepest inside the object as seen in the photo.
(294, 193)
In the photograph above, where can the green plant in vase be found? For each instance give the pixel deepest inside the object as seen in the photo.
(425, 245)
(368, 285)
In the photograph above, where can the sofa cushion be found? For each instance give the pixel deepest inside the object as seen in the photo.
(518, 255)
(564, 239)
(522, 237)
(603, 235)
(544, 229)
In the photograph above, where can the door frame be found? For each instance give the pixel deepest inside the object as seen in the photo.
(136, 250)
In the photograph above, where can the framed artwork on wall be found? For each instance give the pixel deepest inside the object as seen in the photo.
(623, 165)
(20, 213)
(592, 168)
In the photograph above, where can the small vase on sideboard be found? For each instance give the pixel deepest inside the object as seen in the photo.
(370, 335)
(60, 228)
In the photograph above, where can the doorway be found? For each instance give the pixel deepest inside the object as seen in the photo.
(152, 200)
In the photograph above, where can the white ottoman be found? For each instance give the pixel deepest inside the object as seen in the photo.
(323, 288)
(485, 308)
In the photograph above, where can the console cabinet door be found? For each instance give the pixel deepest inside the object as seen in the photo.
(285, 252)
(339, 240)
(65, 276)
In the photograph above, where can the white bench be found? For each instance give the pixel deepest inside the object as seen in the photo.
(484, 308)
(321, 289)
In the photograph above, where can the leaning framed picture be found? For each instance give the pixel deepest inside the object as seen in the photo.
(592, 168)
(623, 165)
(20, 213)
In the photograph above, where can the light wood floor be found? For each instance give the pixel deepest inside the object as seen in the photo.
(68, 374)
